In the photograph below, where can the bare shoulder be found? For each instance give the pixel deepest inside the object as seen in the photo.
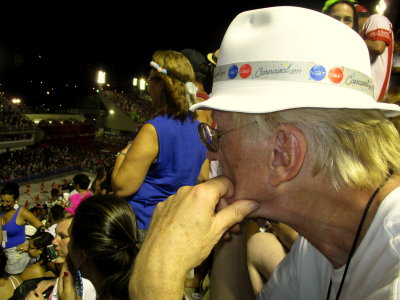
(33, 271)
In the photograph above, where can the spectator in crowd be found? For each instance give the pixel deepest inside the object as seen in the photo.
(7, 283)
(166, 153)
(37, 249)
(342, 10)
(54, 196)
(202, 74)
(394, 85)
(81, 183)
(102, 182)
(56, 214)
(213, 57)
(38, 212)
(377, 32)
(362, 15)
(103, 245)
(296, 146)
(14, 218)
(60, 243)
(26, 291)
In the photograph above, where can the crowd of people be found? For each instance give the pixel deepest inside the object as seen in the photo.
(305, 202)
(138, 108)
(32, 163)
(12, 119)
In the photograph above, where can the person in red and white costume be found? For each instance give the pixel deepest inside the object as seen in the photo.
(377, 32)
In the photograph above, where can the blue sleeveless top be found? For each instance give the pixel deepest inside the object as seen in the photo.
(15, 232)
(181, 155)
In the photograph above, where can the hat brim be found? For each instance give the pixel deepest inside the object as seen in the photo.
(251, 97)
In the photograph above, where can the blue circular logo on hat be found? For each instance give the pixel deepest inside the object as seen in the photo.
(317, 73)
(233, 71)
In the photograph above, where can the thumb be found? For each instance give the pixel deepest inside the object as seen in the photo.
(235, 213)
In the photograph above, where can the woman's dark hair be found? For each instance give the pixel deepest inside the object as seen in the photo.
(56, 213)
(3, 262)
(104, 227)
(41, 240)
(82, 180)
(23, 290)
(11, 188)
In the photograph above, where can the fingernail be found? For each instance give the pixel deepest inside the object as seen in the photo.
(65, 273)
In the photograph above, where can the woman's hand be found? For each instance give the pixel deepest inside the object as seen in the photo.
(44, 285)
(66, 285)
(23, 247)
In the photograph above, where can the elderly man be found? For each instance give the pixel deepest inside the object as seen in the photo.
(300, 141)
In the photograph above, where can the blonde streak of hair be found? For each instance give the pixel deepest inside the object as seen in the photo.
(358, 152)
(370, 148)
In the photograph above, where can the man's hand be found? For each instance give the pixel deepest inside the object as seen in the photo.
(183, 231)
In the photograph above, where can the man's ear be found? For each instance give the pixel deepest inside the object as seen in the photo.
(288, 151)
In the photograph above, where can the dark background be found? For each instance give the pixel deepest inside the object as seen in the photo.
(56, 46)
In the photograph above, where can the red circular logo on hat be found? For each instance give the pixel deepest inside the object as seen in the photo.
(335, 75)
(245, 71)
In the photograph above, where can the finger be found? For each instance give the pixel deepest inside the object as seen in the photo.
(222, 186)
(66, 288)
(63, 273)
(234, 214)
(41, 287)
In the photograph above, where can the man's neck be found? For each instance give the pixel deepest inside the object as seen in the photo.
(330, 221)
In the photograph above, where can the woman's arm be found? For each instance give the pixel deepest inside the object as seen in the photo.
(35, 271)
(131, 168)
(204, 172)
(28, 217)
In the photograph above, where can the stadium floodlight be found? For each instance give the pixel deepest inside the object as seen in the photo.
(16, 101)
(381, 7)
(135, 82)
(101, 77)
(142, 84)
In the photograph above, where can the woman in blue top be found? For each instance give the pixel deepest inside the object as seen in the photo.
(13, 221)
(167, 153)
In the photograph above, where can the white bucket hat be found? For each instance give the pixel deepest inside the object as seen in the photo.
(285, 57)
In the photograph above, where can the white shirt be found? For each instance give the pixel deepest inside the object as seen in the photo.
(378, 27)
(89, 292)
(374, 271)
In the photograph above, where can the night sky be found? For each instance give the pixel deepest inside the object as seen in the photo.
(65, 43)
